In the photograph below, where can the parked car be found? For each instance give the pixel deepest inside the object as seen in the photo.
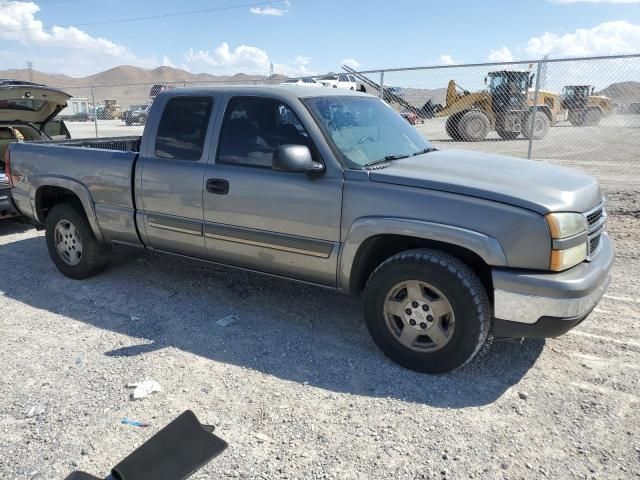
(306, 82)
(339, 80)
(137, 114)
(26, 114)
(77, 109)
(336, 189)
(76, 117)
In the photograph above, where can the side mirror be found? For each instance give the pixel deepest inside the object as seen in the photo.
(295, 158)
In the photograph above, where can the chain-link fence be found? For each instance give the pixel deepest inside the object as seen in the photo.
(582, 113)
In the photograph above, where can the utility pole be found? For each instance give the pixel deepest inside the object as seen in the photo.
(30, 70)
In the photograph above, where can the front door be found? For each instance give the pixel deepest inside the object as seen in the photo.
(255, 217)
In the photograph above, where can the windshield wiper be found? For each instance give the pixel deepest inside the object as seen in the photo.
(388, 158)
(425, 150)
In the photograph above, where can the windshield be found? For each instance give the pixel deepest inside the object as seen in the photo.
(576, 91)
(365, 130)
(515, 82)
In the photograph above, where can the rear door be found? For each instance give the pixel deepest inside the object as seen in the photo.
(255, 217)
(170, 173)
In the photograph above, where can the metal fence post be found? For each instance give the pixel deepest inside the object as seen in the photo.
(95, 111)
(535, 108)
(382, 85)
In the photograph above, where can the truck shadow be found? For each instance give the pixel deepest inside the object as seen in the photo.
(292, 331)
(13, 225)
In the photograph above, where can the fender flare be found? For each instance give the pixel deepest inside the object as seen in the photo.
(486, 247)
(80, 190)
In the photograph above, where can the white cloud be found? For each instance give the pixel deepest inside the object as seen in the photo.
(502, 54)
(447, 59)
(617, 37)
(269, 11)
(76, 52)
(298, 68)
(350, 62)
(224, 60)
(561, 2)
(18, 22)
(166, 62)
(246, 59)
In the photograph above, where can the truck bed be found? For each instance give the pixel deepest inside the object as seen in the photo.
(124, 144)
(100, 170)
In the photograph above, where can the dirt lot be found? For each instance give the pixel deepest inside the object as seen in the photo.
(295, 385)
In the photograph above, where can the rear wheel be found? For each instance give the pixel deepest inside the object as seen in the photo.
(427, 311)
(451, 127)
(474, 126)
(72, 246)
(541, 125)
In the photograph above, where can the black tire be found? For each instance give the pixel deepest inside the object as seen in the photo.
(94, 254)
(540, 128)
(474, 126)
(451, 127)
(457, 283)
(506, 135)
(592, 117)
(576, 119)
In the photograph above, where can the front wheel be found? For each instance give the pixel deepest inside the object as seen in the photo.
(541, 125)
(474, 126)
(427, 311)
(72, 246)
(592, 117)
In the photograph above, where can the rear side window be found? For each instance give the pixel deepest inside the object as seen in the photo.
(183, 128)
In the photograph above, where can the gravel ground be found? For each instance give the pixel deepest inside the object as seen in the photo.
(295, 385)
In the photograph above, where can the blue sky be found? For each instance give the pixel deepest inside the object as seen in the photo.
(307, 36)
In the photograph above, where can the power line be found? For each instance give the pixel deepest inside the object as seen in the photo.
(152, 17)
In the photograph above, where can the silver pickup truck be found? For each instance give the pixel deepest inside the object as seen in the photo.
(333, 188)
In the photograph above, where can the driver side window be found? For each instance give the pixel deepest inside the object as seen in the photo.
(253, 128)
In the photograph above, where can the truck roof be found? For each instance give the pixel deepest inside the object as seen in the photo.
(282, 91)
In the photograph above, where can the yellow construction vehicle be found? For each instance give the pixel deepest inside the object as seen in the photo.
(506, 107)
(584, 108)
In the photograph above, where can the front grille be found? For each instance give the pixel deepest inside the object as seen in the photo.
(592, 218)
(596, 219)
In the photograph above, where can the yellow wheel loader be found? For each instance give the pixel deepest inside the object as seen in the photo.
(584, 108)
(506, 107)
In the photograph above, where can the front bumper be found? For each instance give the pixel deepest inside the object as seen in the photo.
(549, 304)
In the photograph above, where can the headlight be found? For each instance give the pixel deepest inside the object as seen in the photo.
(571, 229)
(563, 225)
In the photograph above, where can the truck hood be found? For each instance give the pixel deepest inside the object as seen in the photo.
(29, 102)
(534, 185)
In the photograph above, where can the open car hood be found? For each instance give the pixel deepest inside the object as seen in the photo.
(30, 102)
